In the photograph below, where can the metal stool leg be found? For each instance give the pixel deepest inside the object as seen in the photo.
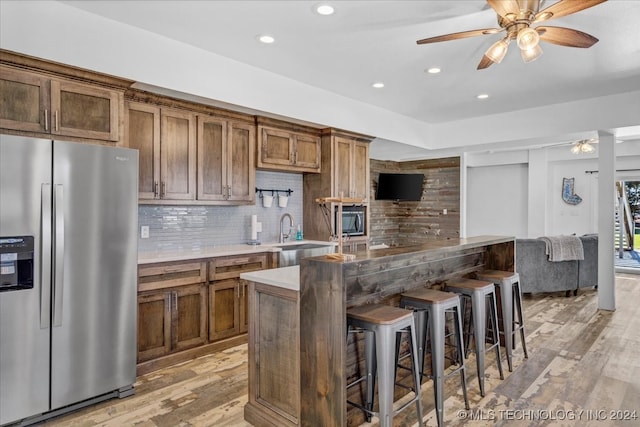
(518, 304)
(506, 298)
(478, 306)
(493, 317)
(385, 360)
(463, 371)
(371, 368)
(437, 358)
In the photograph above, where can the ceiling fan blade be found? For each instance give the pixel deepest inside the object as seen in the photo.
(566, 37)
(461, 35)
(485, 62)
(504, 7)
(564, 8)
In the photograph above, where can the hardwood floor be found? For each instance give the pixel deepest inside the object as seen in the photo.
(583, 369)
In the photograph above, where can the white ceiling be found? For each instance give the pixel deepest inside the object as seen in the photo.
(369, 41)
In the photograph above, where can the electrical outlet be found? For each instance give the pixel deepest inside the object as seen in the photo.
(444, 211)
(144, 232)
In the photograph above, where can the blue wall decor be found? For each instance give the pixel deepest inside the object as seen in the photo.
(568, 194)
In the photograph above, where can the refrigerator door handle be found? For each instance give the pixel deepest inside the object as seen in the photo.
(45, 257)
(58, 265)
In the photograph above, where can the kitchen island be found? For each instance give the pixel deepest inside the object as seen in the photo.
(299, 360)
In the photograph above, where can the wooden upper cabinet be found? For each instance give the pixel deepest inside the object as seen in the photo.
(142, 127)
(25, 101)
(242, 172)
(275, 147)
(360, 173)
(177, 155)
(212, 154)
(286, 150)
(36, 103)
(226, 170)
(351, 168)
(166, 140)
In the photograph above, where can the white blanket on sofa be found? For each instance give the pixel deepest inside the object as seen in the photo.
(563, 248)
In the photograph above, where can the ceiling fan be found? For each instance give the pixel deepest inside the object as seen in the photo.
(517, 18)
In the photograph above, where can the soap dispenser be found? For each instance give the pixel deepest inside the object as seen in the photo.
(299, 233)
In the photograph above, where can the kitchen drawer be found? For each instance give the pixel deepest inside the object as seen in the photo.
(167, 275)
(232, 266)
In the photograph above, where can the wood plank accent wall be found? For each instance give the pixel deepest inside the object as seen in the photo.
(405, 223)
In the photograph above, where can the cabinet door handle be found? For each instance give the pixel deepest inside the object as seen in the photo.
(163, 192)
(155, 190)
(46, 119)
(55, 115)
(228, 191)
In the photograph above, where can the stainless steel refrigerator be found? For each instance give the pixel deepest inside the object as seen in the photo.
(68, 242)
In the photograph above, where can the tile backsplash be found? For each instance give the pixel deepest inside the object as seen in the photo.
(192, 228)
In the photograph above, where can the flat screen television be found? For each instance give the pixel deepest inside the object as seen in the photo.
(400, 186)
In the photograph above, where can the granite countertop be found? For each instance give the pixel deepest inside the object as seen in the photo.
(218, 251)
(284, 277)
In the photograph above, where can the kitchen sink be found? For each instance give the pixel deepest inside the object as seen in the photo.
(291, 254)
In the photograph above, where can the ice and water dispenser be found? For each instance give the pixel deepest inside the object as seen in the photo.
(16, 263)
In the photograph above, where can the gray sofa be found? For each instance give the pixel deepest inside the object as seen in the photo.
(538, 274)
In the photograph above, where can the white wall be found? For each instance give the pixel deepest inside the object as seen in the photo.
(497, 200)
(564, 218)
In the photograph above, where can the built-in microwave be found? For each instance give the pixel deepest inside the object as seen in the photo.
(353, 220)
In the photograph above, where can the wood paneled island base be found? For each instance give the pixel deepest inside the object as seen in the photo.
(299, 360)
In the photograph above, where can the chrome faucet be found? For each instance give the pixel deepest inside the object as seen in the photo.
(282, 235)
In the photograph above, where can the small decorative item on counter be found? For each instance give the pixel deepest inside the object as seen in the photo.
(299, 233)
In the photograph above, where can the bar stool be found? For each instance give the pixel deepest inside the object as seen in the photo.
(430, 307)
(508, 283)
(382, 325)
(480, 292)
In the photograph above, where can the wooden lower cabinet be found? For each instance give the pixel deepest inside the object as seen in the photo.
(171, 320)
(154, 325)
(274, 356)
(190, 308)
(227, 309)
(224, 309)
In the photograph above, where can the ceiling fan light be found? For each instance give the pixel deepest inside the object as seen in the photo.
(583, 147)
(532, 54)
(497, 51)
(528, 38)
(587, 148)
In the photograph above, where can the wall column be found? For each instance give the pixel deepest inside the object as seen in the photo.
(463, 195)
(537, 195)
(606, 217)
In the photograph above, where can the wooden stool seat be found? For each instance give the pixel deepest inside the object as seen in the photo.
(432, 296)
(378, 314)
(471, 284)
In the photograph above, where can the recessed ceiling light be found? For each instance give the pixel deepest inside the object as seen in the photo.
(324, 9)
(378, 85)
(266, 39)
(433, 70)
(483, 96)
